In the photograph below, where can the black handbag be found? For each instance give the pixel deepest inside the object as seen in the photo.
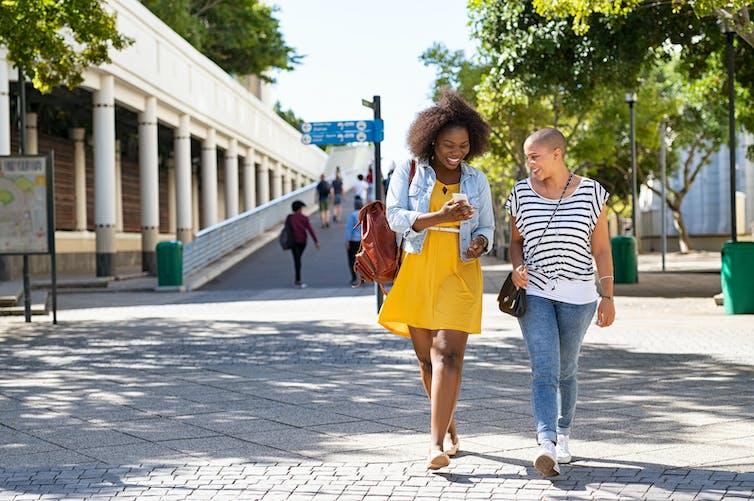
(511, 300)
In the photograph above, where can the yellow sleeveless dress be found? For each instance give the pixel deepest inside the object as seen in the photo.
(435, 289)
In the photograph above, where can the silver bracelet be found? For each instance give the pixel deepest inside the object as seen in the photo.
(606, 276)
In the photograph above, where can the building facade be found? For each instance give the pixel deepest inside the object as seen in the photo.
(706, 209)
(153, 146)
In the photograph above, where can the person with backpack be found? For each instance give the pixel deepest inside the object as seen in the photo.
(337, 196)
(323, 196)
(299, 227)
(444, 215)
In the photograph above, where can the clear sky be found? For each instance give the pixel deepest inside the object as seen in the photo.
(356, 49)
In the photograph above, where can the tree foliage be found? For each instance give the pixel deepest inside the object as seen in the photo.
(534, 71)
(735, 13)
(241, 36)
(54, 41)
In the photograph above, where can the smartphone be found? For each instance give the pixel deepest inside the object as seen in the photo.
(460, 197)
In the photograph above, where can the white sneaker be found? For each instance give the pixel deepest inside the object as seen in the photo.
(562, 454)
(545, 461)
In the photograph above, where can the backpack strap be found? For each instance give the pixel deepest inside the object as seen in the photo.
(411, 173)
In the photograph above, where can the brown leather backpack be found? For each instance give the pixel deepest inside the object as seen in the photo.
(379, 255)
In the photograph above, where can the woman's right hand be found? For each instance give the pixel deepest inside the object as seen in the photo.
(454, 211)
(520, 276)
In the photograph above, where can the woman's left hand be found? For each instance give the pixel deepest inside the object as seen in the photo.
(605, 312)
(476, 248)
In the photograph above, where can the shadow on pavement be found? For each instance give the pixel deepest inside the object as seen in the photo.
(156, 389)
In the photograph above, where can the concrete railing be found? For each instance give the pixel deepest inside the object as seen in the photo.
(217, 241)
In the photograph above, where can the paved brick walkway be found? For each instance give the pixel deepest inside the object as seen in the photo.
(297, 394)
(243, 396)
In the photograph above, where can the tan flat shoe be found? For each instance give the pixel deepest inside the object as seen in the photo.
(437, 460)
(451, 449)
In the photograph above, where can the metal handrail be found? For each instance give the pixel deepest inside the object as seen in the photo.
(219, 240)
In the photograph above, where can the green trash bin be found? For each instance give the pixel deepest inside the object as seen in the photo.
(170, 263)
(625, 267)
(737, 277)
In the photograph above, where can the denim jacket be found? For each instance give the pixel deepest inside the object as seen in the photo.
(405, 204)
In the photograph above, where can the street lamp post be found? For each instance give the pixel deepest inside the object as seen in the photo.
(729, 35)
(631, 100)
(663, 181)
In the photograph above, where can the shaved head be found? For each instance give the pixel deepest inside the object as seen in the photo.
(549, 137)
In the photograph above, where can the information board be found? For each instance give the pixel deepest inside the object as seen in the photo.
(24, 185)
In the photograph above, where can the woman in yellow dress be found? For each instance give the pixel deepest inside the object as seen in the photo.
(444, 215)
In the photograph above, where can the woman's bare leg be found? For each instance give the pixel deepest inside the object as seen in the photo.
(424, 341)
(448, 348)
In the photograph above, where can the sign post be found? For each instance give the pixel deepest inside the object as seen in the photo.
(353, 131)
(27, 215)
(375, 105)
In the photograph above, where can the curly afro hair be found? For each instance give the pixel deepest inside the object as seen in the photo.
(451, 110)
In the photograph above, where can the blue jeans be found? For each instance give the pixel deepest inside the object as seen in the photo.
(553, 332)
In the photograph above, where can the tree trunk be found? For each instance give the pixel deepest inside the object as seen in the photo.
(684, 242)
(501, 229)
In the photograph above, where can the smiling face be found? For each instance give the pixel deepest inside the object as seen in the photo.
(451, 146)
(542, 159)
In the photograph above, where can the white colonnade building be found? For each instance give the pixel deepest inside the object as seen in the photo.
(158, 145)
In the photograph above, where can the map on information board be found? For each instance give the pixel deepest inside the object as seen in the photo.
(23, 205)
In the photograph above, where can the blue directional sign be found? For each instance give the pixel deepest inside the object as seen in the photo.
(343, 131)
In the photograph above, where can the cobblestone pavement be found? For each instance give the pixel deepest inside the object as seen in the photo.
(297, 394)
(260, 392)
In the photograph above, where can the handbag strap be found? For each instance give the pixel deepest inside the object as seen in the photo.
(553, 214)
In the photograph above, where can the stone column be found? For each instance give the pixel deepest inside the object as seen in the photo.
(5, 261)
(104, 175)
(79, 177)
(209, 180)
(32, 134)
(183, 180)
(4, 104)
(231, 179)
(196, 214)
(277, 180)
(249, 181)
(289, 180)
(263, 181)
(118, 189)
(149, 185)
(172, 215)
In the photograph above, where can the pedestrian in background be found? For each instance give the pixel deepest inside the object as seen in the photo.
(353, 237)
(445, 218)
(337, 196)
(323, 197)
(370, 184)
(360, 188)
(558, 223)
(300, 226)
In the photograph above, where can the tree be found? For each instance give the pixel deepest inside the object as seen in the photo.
(576, 82)
(735, 13)
(699, 113)
(288, 115)
(54, 41)
(240, 36)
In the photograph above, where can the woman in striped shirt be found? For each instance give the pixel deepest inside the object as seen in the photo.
(558, 225)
